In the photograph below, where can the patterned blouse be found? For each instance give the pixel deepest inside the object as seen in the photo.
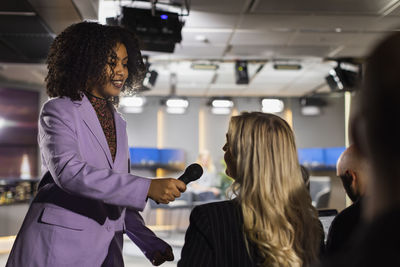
(105, 114)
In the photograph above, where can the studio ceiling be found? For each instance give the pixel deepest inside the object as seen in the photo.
(220, 32)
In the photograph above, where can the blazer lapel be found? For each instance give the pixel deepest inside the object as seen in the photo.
(92, 122)
(120, 128)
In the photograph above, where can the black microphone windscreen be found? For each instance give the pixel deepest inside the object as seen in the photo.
(192, 172)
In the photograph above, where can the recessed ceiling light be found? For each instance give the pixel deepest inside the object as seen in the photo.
(221, 111)
(270, 105)
(222, 103)
(132, 101)
(310, 111)
(176, 110)
(177, 103)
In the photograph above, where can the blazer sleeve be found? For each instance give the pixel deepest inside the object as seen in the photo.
(142, 236)
(60, 151)
(198, 249)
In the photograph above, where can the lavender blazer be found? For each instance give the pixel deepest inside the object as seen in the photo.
(84, 197)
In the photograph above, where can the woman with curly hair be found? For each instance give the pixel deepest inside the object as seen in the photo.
(87, 198)
(271, 222)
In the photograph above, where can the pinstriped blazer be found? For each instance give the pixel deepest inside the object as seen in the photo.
(215, 237)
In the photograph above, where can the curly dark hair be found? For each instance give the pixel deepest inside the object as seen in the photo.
(78, 57)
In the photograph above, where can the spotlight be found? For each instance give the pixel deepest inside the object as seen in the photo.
(346, 76)
(156, 33)
(242, 76)
(151, 78)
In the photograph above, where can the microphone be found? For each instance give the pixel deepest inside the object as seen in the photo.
(192, 173)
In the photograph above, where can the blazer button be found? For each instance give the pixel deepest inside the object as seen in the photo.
(108, 228)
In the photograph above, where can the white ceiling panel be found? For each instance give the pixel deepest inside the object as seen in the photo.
(261, 38)
(221, 6)
(299, 89)
(206, 51)
(388, 23)
(210, 20)
(353, 51)
(304, 22)
(324, 39)
(322, 7)
(228, 30)
(271, 52)
(395, 11)
(205, 38)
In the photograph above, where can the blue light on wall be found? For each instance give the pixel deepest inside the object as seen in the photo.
(320, 158)
(163, 16)
(144, 157)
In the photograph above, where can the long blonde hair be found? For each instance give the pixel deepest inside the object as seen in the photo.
(279, 219)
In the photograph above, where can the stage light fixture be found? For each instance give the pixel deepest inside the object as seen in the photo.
(344, 77)
(151, 78)
(241, 74)
(157, 31)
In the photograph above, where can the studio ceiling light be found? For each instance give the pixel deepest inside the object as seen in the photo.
(132, 104)
(221, 111)
(132, 101)
(310, 111)
(271, 105)
(287, 66)
(177, 103)
(175, 110)
(222, 103)
(204, 66)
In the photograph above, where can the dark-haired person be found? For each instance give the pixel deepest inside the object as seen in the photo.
(376, 135)
(352, 170)
(271, 222)
(87, 199)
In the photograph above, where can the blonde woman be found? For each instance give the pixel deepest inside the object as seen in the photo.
(271, 222)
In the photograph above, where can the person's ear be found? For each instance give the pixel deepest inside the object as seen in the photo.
(354, 179)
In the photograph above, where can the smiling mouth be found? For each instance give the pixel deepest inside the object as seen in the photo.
(117, 83)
